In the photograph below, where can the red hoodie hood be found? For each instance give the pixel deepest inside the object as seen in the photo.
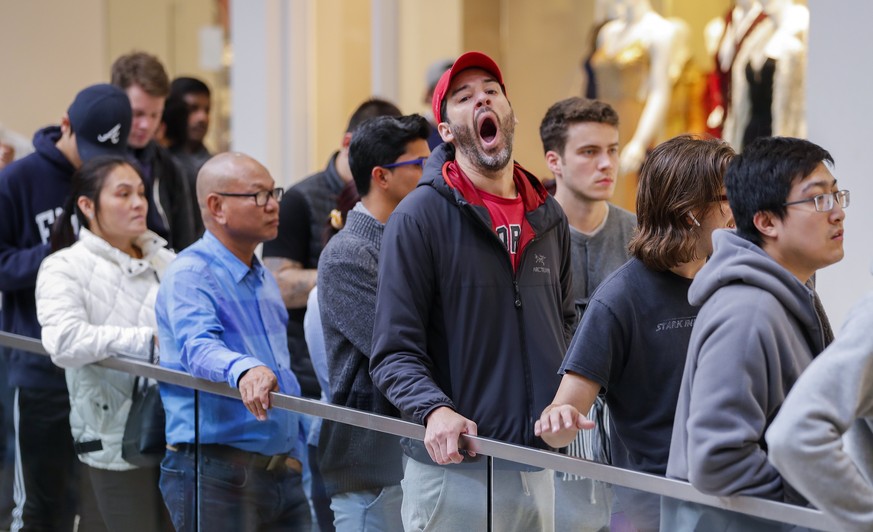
(533, 193)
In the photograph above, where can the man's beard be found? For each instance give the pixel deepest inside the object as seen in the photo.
(471, 145)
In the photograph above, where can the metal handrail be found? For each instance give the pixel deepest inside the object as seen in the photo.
(762, 508)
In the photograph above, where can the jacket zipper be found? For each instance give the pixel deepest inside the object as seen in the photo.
(525, 354)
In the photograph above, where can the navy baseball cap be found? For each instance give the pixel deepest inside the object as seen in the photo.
(100, 117)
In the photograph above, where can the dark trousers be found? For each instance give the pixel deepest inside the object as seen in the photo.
(7, 444)
(130, 501)
(46, 467)
(320, 500)
(231, 495)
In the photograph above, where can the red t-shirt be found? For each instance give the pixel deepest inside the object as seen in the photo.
(509, 223)
(508, 218)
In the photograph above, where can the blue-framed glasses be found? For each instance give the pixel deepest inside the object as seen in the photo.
(418, 162)
(260, 197)
(825, 202)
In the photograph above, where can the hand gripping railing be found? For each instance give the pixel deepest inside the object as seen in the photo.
(762, 508)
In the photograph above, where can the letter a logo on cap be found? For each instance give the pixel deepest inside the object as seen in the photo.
(112, 135)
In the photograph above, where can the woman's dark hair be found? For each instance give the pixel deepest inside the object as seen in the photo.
(345, 201)
(175, 119)
(87, 181)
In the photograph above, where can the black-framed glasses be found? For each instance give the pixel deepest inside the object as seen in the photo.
(825, 202)
(419, 162)
(261, 196)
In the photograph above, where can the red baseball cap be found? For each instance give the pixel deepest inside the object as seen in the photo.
(467, 60)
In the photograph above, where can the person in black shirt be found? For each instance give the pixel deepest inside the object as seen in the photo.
(633, 336)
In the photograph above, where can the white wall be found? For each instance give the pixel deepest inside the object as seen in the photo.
(49, 51)
(840, 116)
(269, 85)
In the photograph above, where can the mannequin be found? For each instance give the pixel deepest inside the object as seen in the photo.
(604, 11)
(769, 77)
(724, 37)
(639, 55)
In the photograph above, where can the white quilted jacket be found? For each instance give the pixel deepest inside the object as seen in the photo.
(93, 302)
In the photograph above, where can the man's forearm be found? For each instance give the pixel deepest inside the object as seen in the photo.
(294, 281)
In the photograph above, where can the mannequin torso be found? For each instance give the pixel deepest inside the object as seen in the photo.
(638, 55)
(724, 37)
(773, 65)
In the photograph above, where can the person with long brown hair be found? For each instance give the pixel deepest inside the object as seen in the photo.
(632, 339)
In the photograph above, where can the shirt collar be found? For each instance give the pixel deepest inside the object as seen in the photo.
(237, 268)
(359, 207)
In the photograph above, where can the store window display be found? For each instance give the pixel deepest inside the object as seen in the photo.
(639, 56)
(769, 77)
(724, 37)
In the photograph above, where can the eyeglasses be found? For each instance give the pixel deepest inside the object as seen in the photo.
(825, 202)
(260, 196)
(721, 197)
(419, 162)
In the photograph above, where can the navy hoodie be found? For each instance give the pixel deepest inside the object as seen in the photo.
(32, 193)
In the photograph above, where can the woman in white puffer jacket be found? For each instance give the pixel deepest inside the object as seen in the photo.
(95, 299)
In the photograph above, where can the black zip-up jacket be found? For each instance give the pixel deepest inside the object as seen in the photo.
(455, 326)
(171, 203)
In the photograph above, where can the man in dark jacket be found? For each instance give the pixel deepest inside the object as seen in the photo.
(474, 310)
(171, 201)
(32, 192)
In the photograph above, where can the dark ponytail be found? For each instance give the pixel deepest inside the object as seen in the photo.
(345, 201)
(63, 232)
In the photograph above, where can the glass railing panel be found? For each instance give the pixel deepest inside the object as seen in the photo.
(525, 498)
(522, 497)
(504, 492)
(361, 472)
(685, 515)
(236, 472)
(583, 504)
(384, 482)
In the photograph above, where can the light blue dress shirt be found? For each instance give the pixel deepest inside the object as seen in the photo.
(216, 319)
(314, 335)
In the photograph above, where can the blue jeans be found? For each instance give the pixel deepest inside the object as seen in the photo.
(368, 510)
(232, 496)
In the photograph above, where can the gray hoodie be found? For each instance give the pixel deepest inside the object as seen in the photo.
(834, 395)
(756, 332)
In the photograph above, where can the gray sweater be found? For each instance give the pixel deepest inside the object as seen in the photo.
(351, 458)
(595, 257)
(833, 398)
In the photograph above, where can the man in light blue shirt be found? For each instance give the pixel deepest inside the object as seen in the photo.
(221, 317)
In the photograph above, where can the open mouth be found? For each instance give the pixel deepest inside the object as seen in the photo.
(487, 129)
